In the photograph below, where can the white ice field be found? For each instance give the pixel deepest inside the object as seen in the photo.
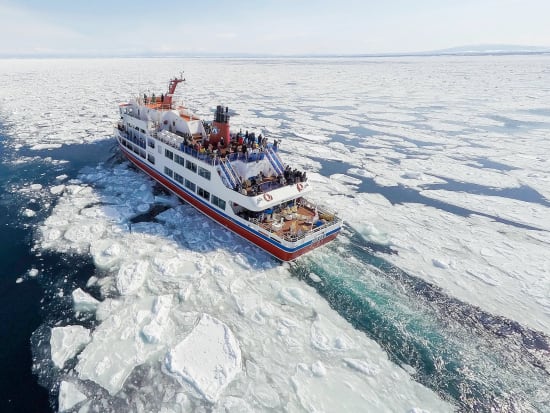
(262, 339)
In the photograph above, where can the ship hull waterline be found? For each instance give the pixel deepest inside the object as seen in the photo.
(274, 250)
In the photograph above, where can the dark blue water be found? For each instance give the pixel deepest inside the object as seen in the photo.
(27, 305)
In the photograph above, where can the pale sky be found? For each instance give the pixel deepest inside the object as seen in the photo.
(100, 27)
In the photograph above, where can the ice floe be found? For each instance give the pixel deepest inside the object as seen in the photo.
(84, 302)
(66, 342)
(207, 359)
(122, 342)
(29, 213)
(69, 396)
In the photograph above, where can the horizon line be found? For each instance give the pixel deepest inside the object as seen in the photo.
(478, 50)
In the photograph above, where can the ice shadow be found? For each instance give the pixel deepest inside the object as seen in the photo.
(399, 194)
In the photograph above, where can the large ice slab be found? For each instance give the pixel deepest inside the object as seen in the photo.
(130, 336)
(66, 342)
(69, 396)
(207, 359)
(84, 302)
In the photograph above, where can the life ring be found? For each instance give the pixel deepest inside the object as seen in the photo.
(268, 197)
(299, 186)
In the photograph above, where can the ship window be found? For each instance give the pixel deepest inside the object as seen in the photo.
(204, 173)
(179, 159)
(192, 166)
(218, 202)
(151, 143)
(168, 172)
(142, 153)
(203, 193)
(151, 158)
(178, 177)
(169, 154)
(190, 185)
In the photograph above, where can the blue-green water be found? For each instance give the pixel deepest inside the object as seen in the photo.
(473, 359)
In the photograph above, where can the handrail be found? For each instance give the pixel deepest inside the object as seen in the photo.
(272, 157)
(231, 171)
(228, 174)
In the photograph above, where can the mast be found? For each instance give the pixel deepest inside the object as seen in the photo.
(171, 89)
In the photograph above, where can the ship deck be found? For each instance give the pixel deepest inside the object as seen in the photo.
(293, 222)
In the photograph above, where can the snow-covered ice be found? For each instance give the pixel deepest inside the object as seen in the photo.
(391, 123)
(207, 359)
(84, 302)
(69, 396)
(217, 319)
(122, 342)
(66, 342)
(29, 213)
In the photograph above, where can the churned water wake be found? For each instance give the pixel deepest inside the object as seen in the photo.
(476, 360)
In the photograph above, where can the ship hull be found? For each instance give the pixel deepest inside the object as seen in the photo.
(279, 251)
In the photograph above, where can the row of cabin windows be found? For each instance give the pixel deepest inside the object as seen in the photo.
(130, 125)
(194, 188)
(192, 166)
(134, 148)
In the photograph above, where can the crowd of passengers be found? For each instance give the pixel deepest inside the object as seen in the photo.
(253, 185)
(239, 143)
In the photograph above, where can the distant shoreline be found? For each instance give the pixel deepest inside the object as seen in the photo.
(275, 56)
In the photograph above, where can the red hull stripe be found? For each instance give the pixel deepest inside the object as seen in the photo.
(271, 246)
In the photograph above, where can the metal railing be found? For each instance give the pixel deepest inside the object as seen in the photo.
(225, 166)
(274, 160)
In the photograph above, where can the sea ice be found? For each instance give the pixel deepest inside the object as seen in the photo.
(29, 213)
(119, 345)
(84, 302)
(270, 313)
(207, 359)
(131, 276)
(415, 136)
(40, 147)
(57, 189)
(66, 342)
(69, 396)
